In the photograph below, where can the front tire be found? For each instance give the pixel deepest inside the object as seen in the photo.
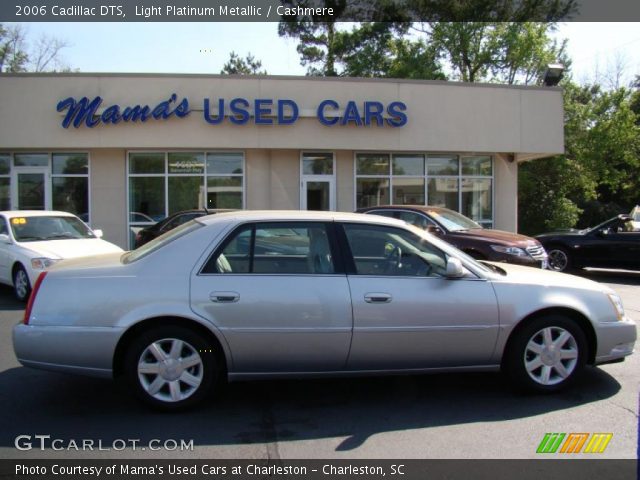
(21, 284)
(547, 354)
(559, 259)
(171, 368)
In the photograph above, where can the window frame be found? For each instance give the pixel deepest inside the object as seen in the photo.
(337, 254)
(165, 175)
(389, 176)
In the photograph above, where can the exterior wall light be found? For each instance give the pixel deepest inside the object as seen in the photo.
(553, 75)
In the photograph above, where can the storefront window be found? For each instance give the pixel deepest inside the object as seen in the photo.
(442, 165)
(372, 164)
(408, 191)
(5, 200)
(164, 183)
(146, 198)
(5, 181)
(224, 192)
(70, 183)
(480, 166)
(5, 164)
(443, 192)
(146, 163)
(317, 163)
(71, 194)
(371, 192)
(31, 159)
(186, 163)
(69, 164)
(463, 184)
(408, 165)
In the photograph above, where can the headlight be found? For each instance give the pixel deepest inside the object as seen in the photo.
(42, 263)
(518, 252)
(617, 305)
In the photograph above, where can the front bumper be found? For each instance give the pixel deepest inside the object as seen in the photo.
(616, 340)
(81, 350)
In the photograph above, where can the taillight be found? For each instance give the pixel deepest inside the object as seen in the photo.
(32, 298)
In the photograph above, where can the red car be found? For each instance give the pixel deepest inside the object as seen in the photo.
(467, 235)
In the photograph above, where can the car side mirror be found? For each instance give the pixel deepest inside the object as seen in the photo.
(4, 238)
(98, 233)
(454, 268)
(434, 230)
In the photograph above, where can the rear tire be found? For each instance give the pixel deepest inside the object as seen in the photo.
(171, 368)
(546, 355)
(21, 284)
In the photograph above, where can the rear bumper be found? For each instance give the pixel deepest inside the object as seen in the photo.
(81, 350)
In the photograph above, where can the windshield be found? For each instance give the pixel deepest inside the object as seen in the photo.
(453, 221)
(36, 229)
(160, 241)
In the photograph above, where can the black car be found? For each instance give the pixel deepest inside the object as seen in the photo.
(172, 221)
(612, 244)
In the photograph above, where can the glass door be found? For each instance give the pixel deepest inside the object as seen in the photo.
(318, 194)
(31, 189)
(317, 181)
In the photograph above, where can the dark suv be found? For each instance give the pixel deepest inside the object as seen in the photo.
(467, 235)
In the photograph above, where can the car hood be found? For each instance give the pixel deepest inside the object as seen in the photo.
(517, 274)
(498, 236)
(562, 233)
(71, 248)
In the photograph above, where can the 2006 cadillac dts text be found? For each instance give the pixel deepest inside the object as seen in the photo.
(44, 442)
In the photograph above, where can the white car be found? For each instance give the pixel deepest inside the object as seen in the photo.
(33, 240)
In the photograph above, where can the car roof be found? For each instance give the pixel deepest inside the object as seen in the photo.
(35, 213)
(297, 215)
(421, 208)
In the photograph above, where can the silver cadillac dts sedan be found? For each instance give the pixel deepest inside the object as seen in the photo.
(248, 295)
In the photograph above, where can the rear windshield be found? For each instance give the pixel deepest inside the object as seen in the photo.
(36, 229)
(160, 241)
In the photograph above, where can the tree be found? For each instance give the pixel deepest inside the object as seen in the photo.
(503, 52)
(17, 56)
(242, 66)
(13, 58)
(598, 175)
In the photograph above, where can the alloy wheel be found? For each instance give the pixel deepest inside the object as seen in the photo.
(558, 260)
(21, 283)
(551, 356)
(170, 370)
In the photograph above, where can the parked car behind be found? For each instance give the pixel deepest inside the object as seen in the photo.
(612, 244)
(172, 221)
(467, 235)
(33, 240)
(254, 295)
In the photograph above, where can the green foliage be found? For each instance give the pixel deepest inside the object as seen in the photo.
(13, 58)
(598, 176)
(242, 66)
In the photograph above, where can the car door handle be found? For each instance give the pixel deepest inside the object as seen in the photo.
(377, 297)
(224, 297)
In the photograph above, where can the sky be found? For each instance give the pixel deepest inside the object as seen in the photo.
(204, 47)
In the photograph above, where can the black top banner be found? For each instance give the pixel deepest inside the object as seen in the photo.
(318, 10)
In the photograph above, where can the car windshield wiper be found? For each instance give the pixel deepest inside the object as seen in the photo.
(61, 236)
(30, 237)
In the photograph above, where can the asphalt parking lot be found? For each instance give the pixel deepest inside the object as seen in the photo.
(437, 416)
